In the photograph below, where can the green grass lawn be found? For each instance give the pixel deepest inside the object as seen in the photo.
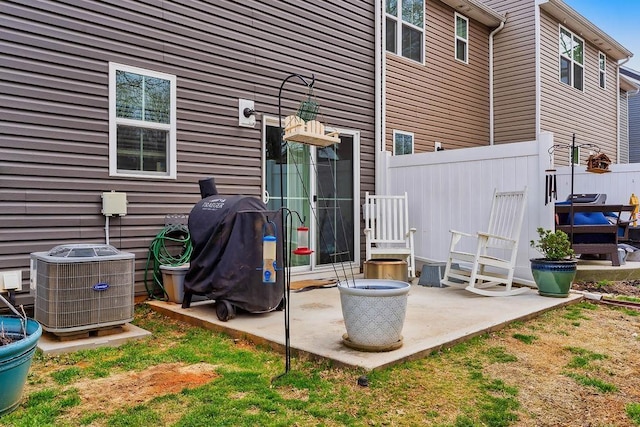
(243, 386)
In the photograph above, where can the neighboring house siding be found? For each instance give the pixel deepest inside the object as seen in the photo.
(624, 128)
(514, 72)
(591, 113)
(634, 128)
(443, 100)
(54, 162)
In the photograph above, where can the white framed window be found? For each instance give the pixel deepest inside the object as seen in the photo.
(462, 38)
(142, 123)
(404, 33)
(402, 142)
(571, 59)
(602, 70)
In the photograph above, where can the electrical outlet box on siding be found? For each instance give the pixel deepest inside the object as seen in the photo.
(10, 280)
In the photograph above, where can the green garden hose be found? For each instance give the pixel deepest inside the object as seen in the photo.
(172, 239)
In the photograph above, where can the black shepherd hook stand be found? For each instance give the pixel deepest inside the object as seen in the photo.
(286, 219)
(574, 160)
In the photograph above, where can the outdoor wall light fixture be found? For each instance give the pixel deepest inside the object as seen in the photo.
(246, 113)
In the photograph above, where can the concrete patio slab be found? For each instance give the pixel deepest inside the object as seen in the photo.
(51, 345)
(436, 318)
(595, 270)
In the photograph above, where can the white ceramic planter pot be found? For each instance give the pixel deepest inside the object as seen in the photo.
(373, 312)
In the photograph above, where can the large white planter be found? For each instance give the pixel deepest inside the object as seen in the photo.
(373, 312)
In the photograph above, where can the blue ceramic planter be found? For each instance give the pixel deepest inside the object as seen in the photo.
(553, 278)
(15, 360)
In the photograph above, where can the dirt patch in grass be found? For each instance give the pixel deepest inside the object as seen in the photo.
(133, 388)
(627, 288)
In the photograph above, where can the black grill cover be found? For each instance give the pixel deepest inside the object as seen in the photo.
(226, 233)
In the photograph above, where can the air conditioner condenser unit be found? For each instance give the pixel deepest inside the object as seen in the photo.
(82, 287)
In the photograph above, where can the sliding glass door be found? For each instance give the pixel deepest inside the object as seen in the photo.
(319, 184)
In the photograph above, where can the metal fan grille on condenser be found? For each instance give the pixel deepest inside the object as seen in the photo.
(83, 295)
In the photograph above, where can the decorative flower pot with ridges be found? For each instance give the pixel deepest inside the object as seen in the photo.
(373, 312)
(554, 278)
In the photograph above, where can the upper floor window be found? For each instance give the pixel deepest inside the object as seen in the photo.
(571, 59)
(405, 28)
(602, 69)
(462, 38)
(402, 143)
(142, 122)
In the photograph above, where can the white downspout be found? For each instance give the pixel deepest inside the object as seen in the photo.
(379, 103)
(538, 59)
(624, 61)
(491, 112)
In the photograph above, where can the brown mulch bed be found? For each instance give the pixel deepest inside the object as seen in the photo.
(627, 288)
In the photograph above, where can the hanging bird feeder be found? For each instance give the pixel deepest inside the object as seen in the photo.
(598, 163)
(269, 245)
(304, 128)
(303, 242)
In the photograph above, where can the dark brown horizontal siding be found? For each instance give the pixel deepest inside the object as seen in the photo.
(443, 100)
(55, 58)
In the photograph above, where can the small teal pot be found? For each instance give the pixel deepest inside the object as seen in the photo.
(554, 278)
(15, 360)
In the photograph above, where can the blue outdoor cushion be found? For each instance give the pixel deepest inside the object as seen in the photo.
(589, 218)
(584, 218)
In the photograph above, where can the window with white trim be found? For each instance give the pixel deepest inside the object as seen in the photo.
(142, 123)
(405, 28)
(402, 143)
(571, 59)
(462, 38)
(602, 69)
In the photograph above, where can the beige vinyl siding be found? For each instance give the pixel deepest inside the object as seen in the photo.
(514, 72)
(591, 113)
(443, 100)
(54, 105)
(624, 128)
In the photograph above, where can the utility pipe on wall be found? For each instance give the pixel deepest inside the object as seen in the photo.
(624, 61)
(379, 88)
(491, 120)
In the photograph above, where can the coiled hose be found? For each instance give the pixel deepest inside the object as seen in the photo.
(172, 239)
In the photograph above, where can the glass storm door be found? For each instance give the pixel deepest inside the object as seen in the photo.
(334, 202)
(318, 184)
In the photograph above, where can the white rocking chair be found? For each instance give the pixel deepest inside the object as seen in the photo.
(387, 231)
(488, 268)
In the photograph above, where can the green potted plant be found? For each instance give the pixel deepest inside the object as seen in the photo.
(554, 273)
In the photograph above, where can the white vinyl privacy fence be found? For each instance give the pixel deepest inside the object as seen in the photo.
(453, 190)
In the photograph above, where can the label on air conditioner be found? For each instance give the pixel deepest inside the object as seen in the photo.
(102, 286)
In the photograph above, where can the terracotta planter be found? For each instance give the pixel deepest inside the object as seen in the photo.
(554, 278)
(373, 312)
